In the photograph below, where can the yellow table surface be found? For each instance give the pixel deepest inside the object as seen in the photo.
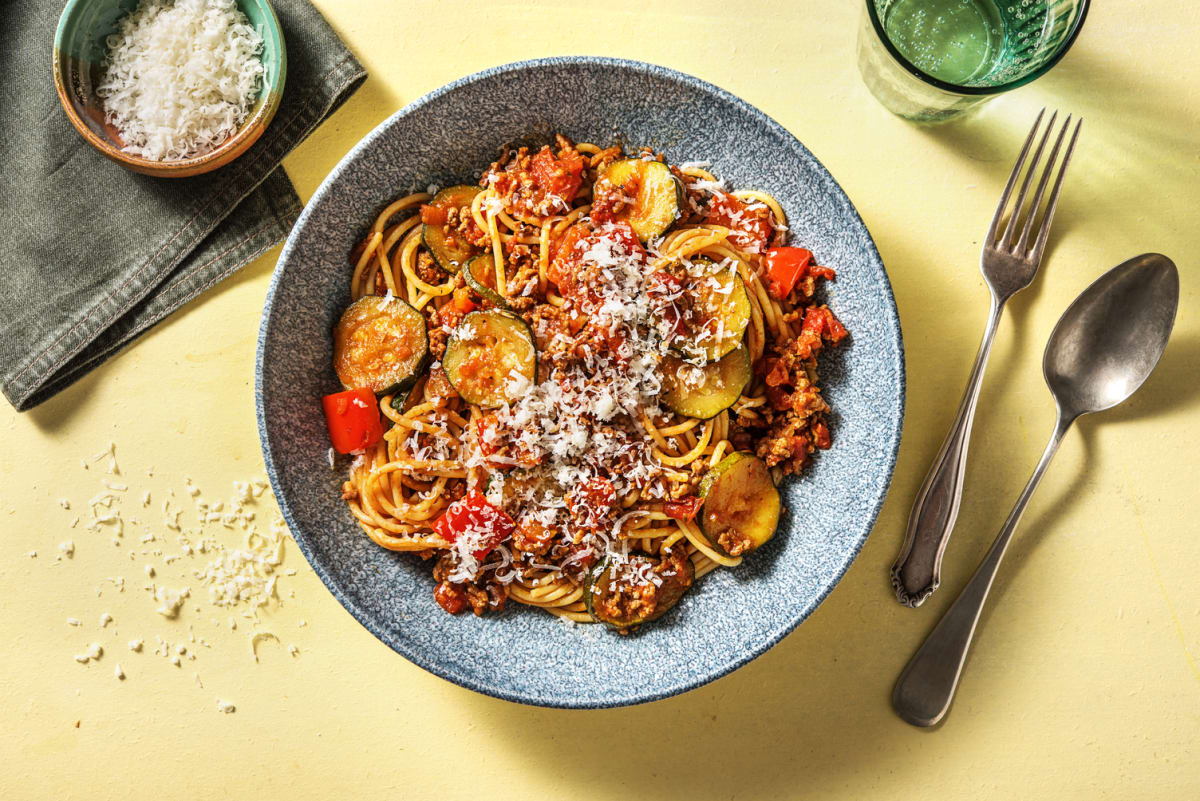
(1085, 679)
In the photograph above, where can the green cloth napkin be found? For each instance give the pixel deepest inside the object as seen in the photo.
(92, 254)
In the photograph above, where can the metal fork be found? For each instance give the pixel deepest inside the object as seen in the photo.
(1008, 266)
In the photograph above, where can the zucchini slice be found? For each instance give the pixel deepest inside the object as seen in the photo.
(655, 192)
(480, 275)
(483, 353)
(608, 590)
(380, 343)
(705, 391)
(449, 254)
(741, 505)
(520, 489)
(719, 314)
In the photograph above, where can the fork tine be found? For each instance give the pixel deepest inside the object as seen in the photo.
(1044, 231)
(1019, 248)
(1012, 180)
(1006, 240)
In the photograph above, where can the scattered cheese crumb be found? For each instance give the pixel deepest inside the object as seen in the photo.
(64, 503)
(135, 646)
(258, 637)
(74, 621)
(169, 601)
(293, 650)
(67, 548)
(120, 674)
(150, 571)
(105, 619)
(225, 706)
(33, 554)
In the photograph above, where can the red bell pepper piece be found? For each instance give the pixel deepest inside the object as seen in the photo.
(474, 516)
(558, 175)
(684, 508)
(353, 418)
(785, 266)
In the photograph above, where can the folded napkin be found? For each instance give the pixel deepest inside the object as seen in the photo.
(92, 254)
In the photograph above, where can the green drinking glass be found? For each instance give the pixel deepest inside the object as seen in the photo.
(929, 60)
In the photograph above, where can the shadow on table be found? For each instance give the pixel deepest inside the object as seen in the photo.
(1129, 118)
(827, 683)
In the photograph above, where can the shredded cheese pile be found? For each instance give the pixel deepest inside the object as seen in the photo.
(181, 76)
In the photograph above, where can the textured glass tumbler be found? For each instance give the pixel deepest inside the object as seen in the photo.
(929, 60)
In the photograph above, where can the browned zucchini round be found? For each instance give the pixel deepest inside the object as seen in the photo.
(450, 255)
(704, 391)
(610, 590)
(480, 275)
(720, 312)
(741, 505)
(655, 195)
(381, 344)
(484, 352)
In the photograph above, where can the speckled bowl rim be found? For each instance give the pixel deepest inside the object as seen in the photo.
(448, 672)
(250, 131)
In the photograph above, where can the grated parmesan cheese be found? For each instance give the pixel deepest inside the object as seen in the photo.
(180, 77)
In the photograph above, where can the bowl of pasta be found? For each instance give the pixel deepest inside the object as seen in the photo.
(580, 405)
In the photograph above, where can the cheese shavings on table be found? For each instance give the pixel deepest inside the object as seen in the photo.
(181, 76)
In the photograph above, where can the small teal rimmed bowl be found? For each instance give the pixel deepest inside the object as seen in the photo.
(79, 51)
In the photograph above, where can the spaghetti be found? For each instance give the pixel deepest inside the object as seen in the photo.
(622, 365)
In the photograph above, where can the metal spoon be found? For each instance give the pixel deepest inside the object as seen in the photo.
(1104, 347)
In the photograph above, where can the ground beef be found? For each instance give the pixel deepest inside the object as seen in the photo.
(532, 536)
(460, 227)
(529, 190)
(631, 595)
(734, 542)
(794, 413)
(428, 270)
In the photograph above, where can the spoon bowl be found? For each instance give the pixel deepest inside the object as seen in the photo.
(1109, 339)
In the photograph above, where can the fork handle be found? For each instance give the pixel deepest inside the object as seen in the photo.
(926, 686)
(918, 569)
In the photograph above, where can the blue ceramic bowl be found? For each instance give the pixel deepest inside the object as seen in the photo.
(524, 654)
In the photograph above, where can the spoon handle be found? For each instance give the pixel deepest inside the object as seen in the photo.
(918, 568)
(925, 689)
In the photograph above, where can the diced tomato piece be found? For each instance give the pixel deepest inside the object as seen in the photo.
(591, 502)
(751, 225)
(474, 516)
(684, 508)
(451, 597)
(574, 278)
(623, 233)
(564, 252)
(558, 175)
(353, 420)
(433, 215)
(784, 267)
(821, 438)
(821, 272)
(819, 320)
(462, 300)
